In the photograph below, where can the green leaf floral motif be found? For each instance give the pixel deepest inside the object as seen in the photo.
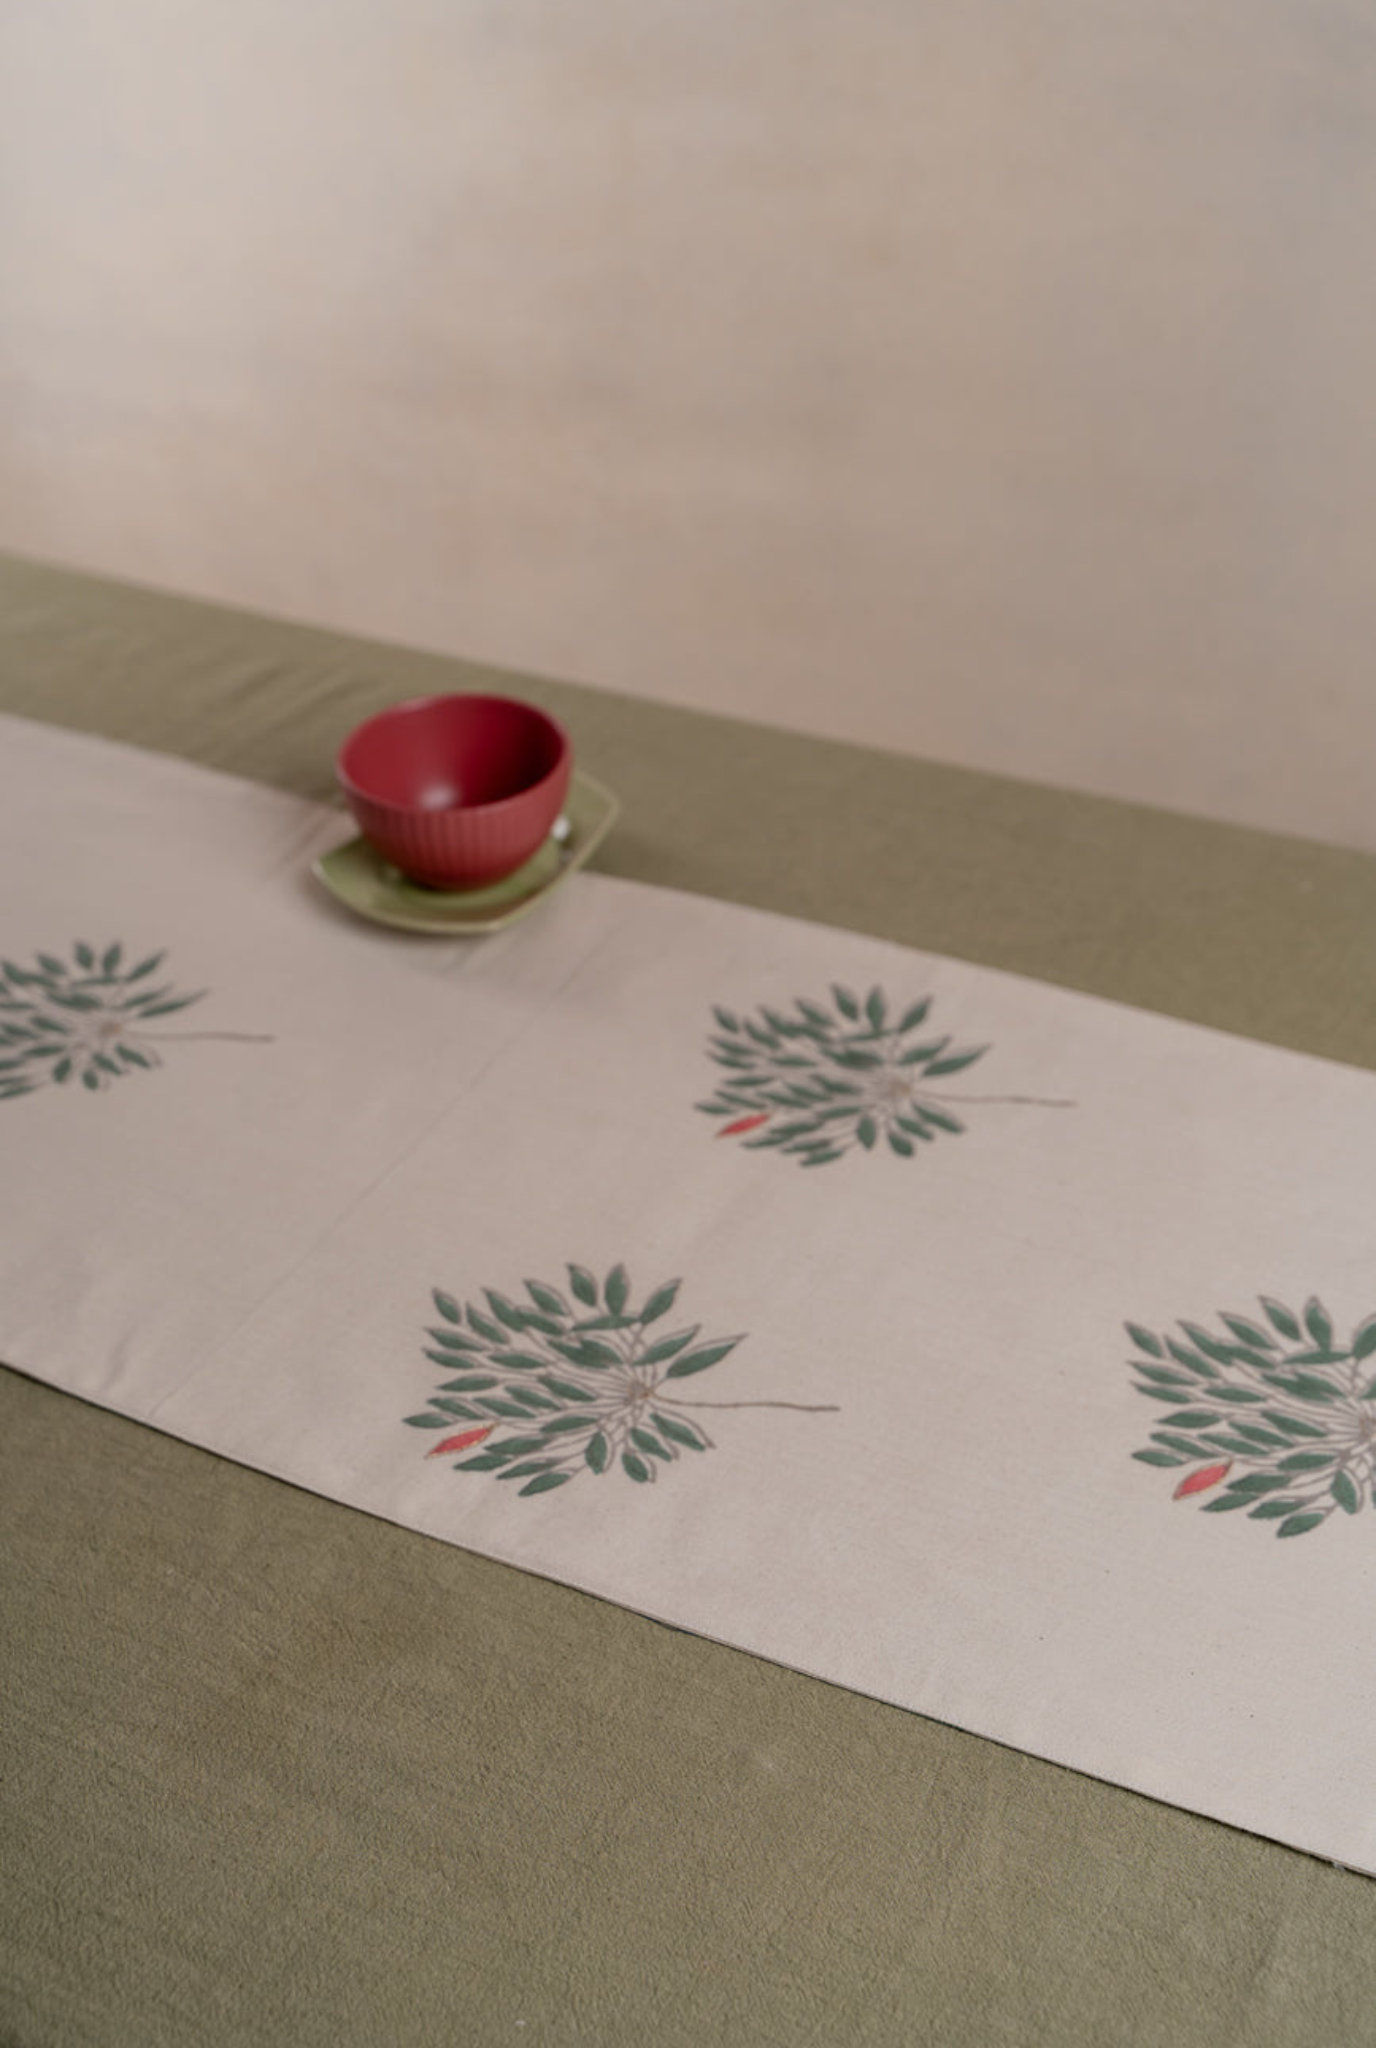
(1273, 1415)
(840, 1072)
(575, 1379)
(88, 1019)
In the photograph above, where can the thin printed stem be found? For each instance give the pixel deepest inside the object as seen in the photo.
(181, 1037)
(800, 1407)
(1029, 1101)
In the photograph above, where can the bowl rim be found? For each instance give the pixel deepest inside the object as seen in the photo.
(563, 761)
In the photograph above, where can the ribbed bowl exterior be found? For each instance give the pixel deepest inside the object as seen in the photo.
(402, 769)
(463, 849)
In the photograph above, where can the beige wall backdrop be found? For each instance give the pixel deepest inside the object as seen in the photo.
(993, 380)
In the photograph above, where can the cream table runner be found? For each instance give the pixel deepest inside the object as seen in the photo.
(997, 1351)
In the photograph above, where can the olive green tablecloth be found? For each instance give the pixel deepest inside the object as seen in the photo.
(272, 1771)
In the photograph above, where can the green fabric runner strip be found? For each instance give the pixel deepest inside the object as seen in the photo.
(293, 1677)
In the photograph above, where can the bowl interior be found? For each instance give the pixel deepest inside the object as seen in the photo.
(447, 753)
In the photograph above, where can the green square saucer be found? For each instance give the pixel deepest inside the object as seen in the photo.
(364, 882)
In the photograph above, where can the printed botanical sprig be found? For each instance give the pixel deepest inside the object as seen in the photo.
(542, 1390)
(840, 1073)
(1276, 1417)
(88, 1019)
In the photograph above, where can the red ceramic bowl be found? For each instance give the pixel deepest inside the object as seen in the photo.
(456, 791)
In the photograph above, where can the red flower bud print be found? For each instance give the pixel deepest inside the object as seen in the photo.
(1197, 1482)
(464, 1441)
(744, 1123)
